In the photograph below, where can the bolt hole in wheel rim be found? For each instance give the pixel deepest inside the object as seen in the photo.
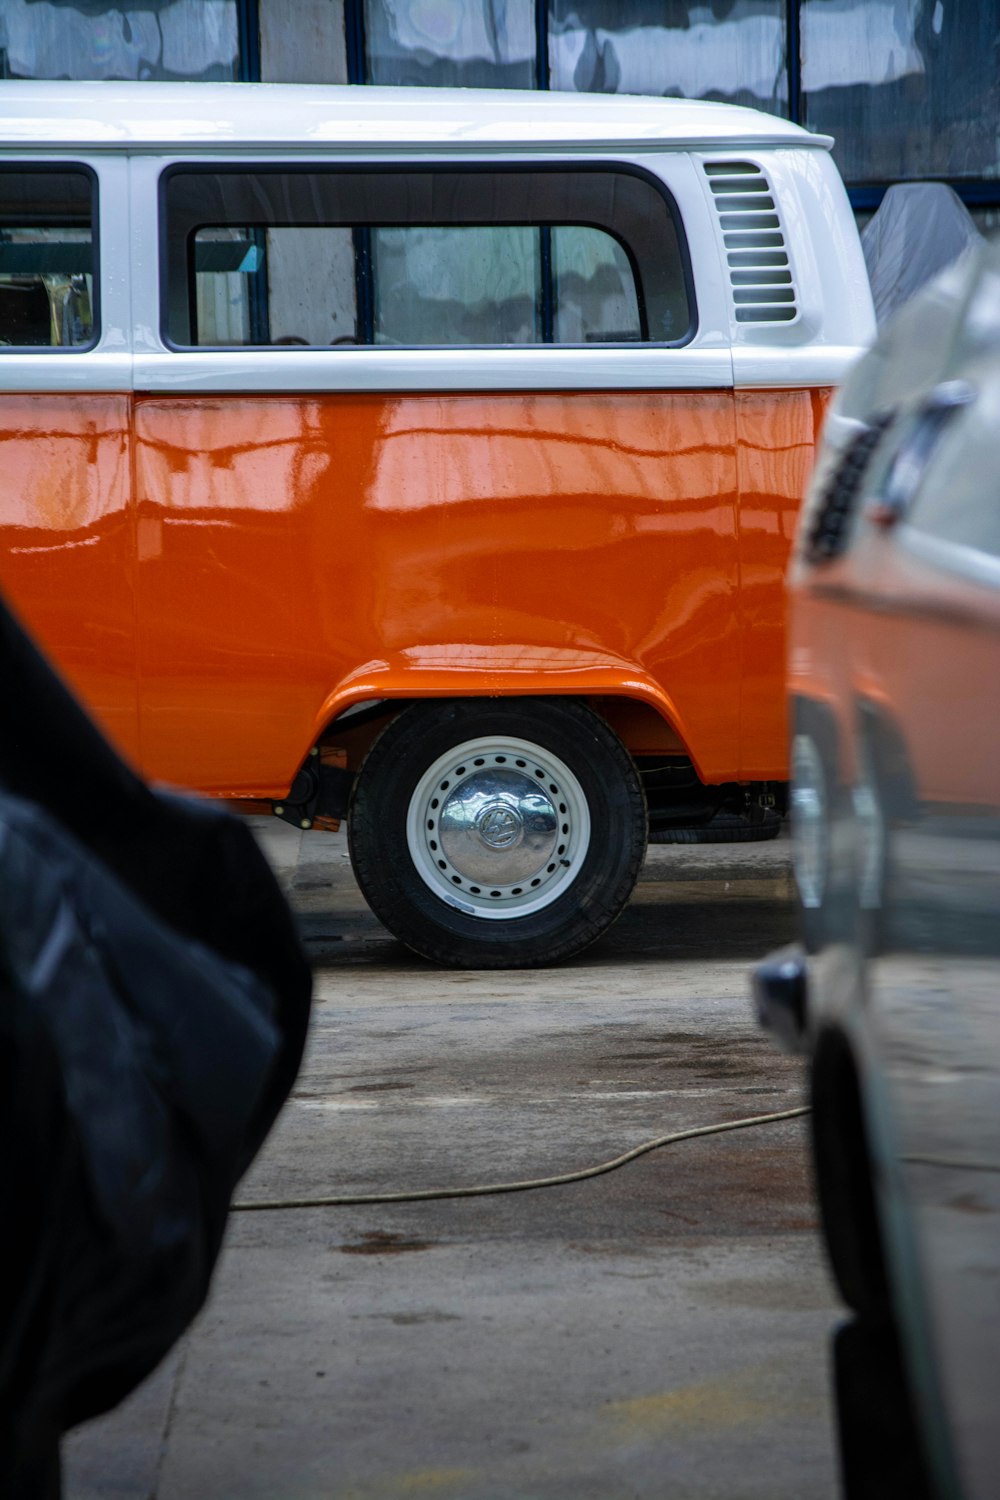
(498, 828)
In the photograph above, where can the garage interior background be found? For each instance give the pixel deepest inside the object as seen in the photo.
(909, 88)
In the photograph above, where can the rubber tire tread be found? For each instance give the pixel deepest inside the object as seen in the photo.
(879, 1436)
(413, 913)
(844, 1181)
(723, 833)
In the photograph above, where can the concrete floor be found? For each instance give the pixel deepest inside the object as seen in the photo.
(658, 1332)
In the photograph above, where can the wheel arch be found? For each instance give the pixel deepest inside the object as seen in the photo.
(640, 711)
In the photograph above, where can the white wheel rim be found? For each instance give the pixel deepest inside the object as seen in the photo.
(498, 827)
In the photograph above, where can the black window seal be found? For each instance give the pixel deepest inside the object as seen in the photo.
(245, 165)
(85, 170)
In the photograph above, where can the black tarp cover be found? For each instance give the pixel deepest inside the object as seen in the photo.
(153, 1007)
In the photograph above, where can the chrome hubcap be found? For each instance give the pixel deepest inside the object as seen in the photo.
(498, 828)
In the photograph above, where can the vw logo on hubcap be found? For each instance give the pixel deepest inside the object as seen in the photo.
(499, 825)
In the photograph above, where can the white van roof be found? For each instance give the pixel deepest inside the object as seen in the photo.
(218, 116)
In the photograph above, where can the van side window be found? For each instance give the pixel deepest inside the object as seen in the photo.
(47, 258)
(422, 258)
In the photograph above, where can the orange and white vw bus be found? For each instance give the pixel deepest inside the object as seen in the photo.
(425, 457)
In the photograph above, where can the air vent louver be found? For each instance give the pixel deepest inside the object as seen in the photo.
(759, 269)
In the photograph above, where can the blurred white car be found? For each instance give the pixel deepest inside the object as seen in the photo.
(894, 684)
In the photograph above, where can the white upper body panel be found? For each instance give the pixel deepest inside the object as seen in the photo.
(306, 117)
(129, 133)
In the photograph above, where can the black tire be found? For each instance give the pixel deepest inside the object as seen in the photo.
(844, 1178)
(532, 790)
(724, 828)
(879, 1437)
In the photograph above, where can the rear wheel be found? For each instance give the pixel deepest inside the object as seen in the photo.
(500, 833)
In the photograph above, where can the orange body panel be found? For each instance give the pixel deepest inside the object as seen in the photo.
(430, 543)
(919, 647)
(778, 437)
(294, 554)
(67, 553)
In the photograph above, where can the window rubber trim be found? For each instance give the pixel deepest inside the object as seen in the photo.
(196, 167)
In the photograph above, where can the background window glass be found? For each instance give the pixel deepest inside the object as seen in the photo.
(909, 88)
(197, 39)
(304, 44)
(734, 52)
(46, 259)
(462, 43)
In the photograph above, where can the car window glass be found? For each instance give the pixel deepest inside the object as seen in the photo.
(428, 257)
(275, 285)
(46, 259)
(456, 286)
(594, 289)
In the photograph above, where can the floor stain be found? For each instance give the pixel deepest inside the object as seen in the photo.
(420, 1482)
(814, 1295)
(378, 1088)
(970, 1203)
(416, 1319)
(380, 1242)
(750, 1397)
